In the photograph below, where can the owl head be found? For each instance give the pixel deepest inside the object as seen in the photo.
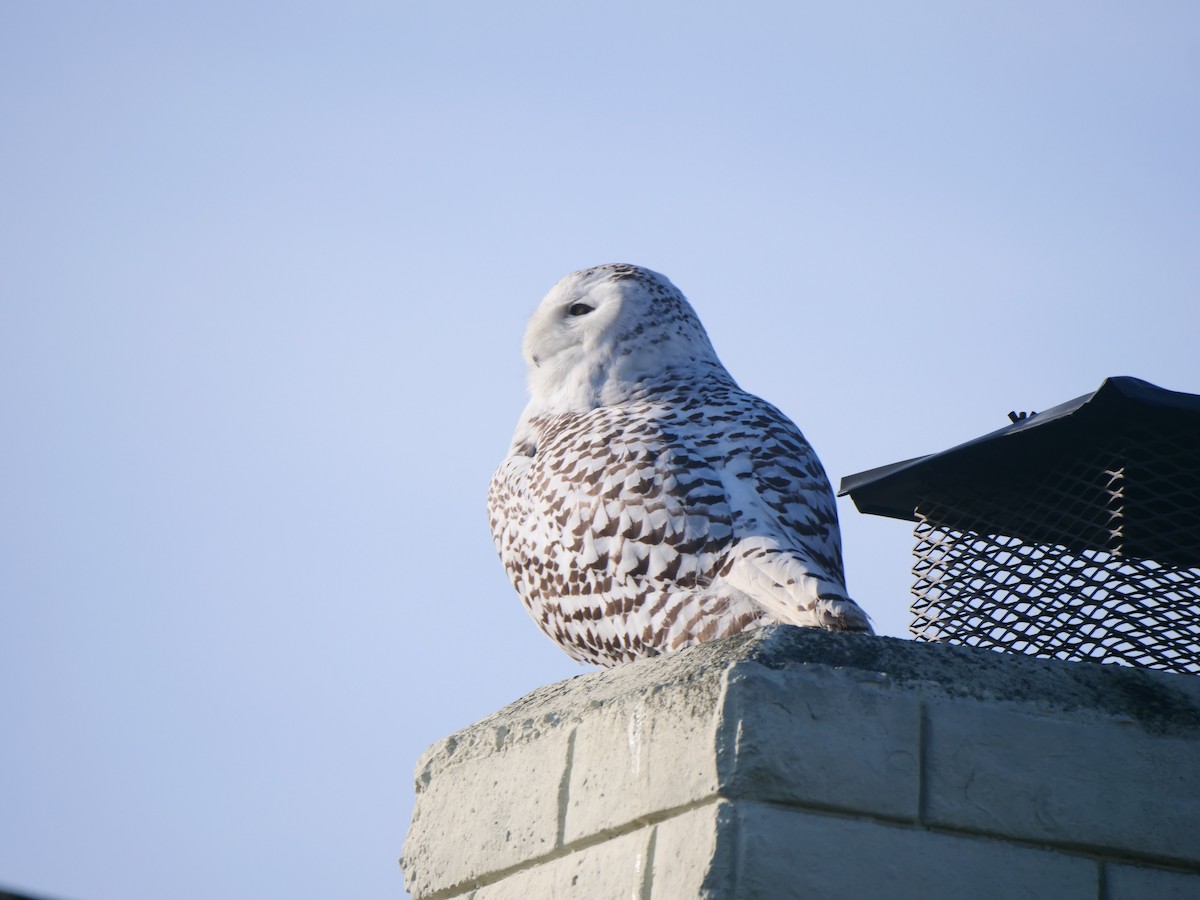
(603, 334)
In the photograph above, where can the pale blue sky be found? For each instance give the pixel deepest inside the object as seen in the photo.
(265, 270)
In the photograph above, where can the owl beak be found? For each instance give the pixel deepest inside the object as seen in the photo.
(536, 362)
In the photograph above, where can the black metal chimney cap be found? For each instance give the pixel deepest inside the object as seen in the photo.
(1029, 444)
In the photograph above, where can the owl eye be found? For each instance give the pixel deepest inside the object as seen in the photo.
(580, 309)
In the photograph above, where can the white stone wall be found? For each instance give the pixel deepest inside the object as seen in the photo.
(799, 763)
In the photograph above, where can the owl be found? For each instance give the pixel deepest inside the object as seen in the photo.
(647, 503)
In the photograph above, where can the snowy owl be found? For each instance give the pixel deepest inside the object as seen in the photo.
(647, 502)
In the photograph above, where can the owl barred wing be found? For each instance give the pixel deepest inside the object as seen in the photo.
(787, 554)
(781, 487)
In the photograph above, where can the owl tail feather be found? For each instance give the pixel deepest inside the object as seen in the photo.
(793, 590)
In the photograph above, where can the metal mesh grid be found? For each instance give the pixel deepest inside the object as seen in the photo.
(1066, 586)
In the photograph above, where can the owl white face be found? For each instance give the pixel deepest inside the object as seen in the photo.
(601, 331)
(572, 320)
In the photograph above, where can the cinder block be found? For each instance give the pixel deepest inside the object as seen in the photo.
(1140, 883)
(638, 757)
(1070, 779)
(816, 736)
(796, 854)
(479, 813)
(617, 869)
(694, 854)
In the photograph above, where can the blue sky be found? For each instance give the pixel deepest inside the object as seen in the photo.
(264, 273)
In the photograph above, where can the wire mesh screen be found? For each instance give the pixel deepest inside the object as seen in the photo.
(1059, 568)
